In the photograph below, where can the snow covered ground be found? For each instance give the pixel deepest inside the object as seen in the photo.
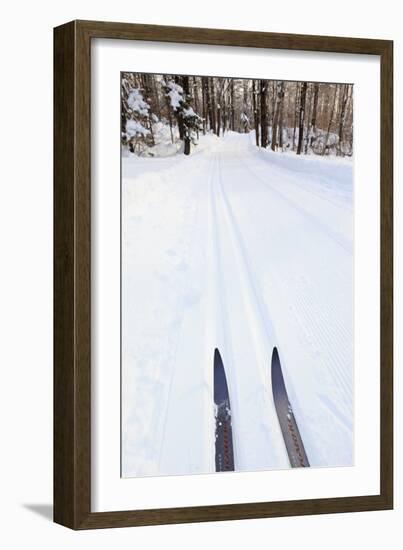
(240, 249)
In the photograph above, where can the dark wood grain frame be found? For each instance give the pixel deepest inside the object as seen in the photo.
(72, 268)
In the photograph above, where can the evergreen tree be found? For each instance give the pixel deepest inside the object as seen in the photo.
(137, 128)
(189, 122)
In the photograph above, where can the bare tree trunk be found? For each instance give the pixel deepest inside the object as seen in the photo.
(195, 89)
(224, 116)
(330, 121)
(219, 106)
(255, 111)
(295, 114)
(179, 119)
(186, 136)
(349, 119)
(223, 103)
(308, 118)
(157, 98)
(213, 106)
(281, 115)
(169, 117)
(232, 106)
(150, 127)
(273, 102)
(203, 86)
(270, 109)
(314, 115)
(208, 102)
(341, 119)
(276, 116)
(245, 109)
(263, 114)
(301, 117)
(147, 86)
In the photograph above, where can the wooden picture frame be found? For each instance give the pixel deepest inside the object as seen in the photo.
(72, 270)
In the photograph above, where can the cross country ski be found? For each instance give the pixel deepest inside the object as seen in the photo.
(288, 424)
(224, 452)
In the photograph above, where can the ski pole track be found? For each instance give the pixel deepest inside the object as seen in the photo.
(313, 220)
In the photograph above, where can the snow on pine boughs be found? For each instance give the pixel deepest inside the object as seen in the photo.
(135, 129)
(136, 102)
(189, 122)
(137, 132)
(175, 94)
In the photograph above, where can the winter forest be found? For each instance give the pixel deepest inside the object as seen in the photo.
(166, 114)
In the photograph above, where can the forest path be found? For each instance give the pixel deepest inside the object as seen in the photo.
(260, 256)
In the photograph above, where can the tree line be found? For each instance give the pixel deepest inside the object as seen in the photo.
(305, 117)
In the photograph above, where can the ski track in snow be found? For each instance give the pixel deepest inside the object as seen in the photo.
(257, 438)
(226, 249)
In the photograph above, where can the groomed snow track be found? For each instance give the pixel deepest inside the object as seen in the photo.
(227, 250)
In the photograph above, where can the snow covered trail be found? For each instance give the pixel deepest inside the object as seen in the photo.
(242, 250)
(257, 437)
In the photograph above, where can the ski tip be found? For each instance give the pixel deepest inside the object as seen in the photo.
(220, 380)
(274, 356)
(277, 379)
(218, 362)
(275, 360)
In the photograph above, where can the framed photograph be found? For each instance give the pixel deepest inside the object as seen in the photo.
(223, 314)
